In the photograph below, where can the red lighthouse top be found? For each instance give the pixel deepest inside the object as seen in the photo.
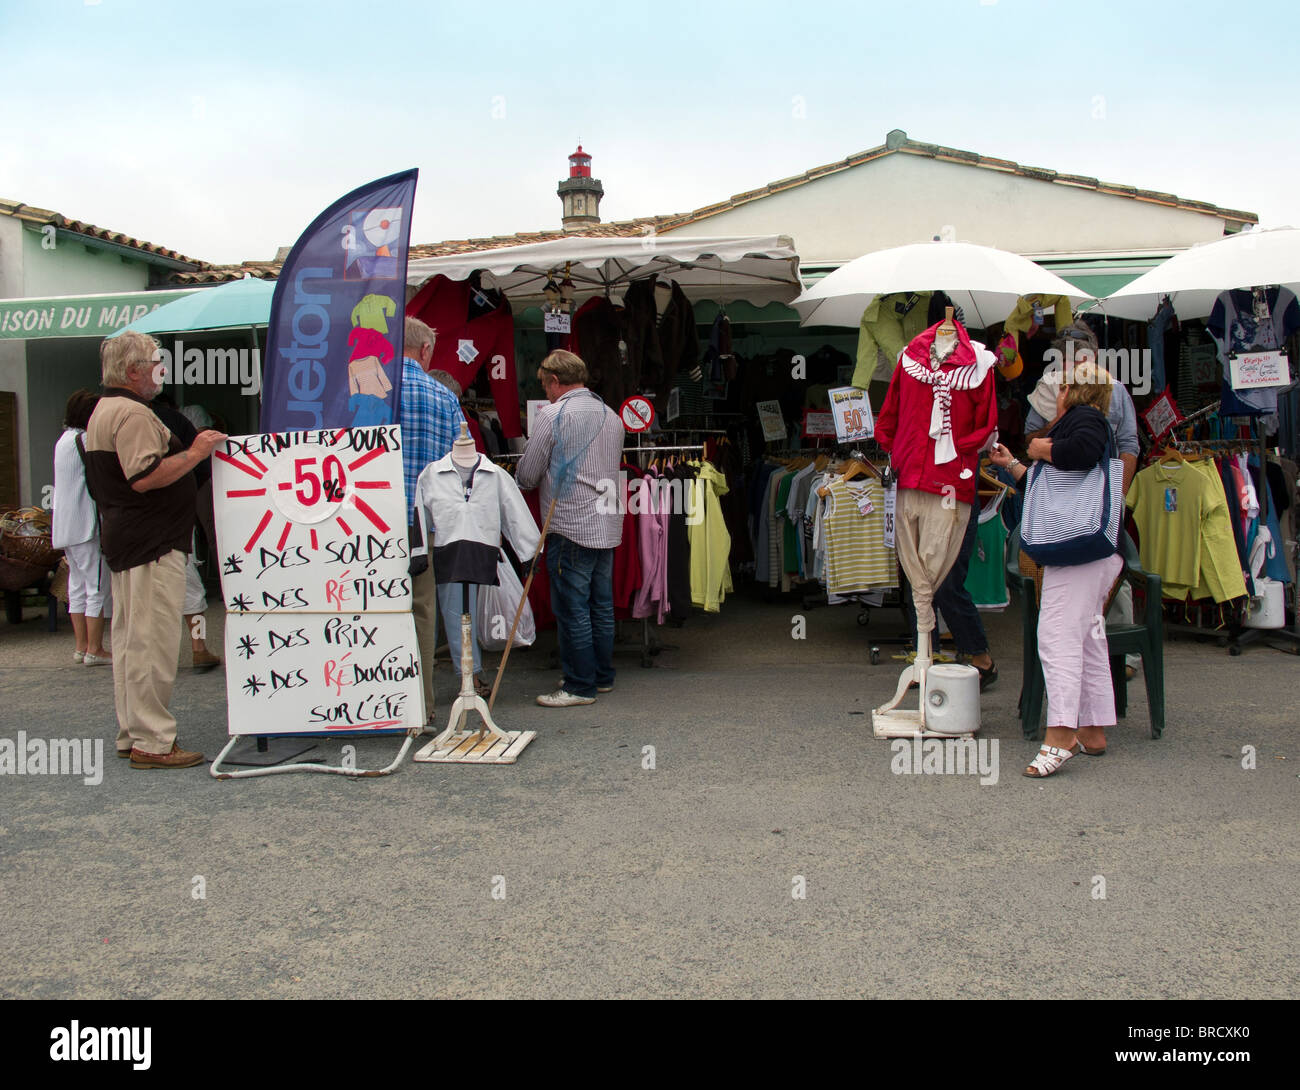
(579, 164)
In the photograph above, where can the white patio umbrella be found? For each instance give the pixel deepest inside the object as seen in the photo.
(1196, 277)
(983, 281)
(759, 269)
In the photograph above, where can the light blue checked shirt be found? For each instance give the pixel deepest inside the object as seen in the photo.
(430, 420)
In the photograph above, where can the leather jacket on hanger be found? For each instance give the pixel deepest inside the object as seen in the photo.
(659, 346)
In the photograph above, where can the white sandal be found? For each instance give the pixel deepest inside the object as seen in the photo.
(1049, 761)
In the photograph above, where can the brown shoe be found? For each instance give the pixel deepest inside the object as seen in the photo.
(205, 660)
(177, 758)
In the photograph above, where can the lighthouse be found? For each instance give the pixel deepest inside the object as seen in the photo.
(580, 193)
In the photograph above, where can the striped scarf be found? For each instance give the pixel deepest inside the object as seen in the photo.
(966, 377)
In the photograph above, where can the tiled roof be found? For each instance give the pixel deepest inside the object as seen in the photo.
(898, 142)
(220, 274)
(269, 270)
(614, 229)
(43, 216)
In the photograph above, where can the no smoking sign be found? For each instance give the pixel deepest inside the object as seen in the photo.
(638, 414)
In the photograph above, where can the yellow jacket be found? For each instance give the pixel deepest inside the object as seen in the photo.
(710, 542)
(1021, 319)
(885, 332)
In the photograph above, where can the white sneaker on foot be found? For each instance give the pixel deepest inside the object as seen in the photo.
(562, 699)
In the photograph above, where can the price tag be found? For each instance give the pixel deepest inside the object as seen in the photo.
(817, 424)
(891, 508)
(863, 499)
(1259, 370)
(852, 412)
(556, 322)
(770, 417)
(674, 408)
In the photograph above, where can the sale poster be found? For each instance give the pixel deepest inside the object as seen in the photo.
(852, 412)
(318, 673)
(771, 419)
(313, 522)
(1258, 370)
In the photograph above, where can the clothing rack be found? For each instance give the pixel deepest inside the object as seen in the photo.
(651, 645)
(651, 449)
(863, 450)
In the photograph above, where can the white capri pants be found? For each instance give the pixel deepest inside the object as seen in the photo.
(196, 598)
(1072, 643)
(90, 586)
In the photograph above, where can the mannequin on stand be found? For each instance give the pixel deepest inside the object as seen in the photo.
(939, 413)
(469, 503)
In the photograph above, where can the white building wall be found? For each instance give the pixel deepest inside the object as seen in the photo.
(903, 198)
(13, 354)
(73, 268)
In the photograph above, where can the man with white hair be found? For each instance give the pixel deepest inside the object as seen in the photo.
(143, 482)
(1077, 344)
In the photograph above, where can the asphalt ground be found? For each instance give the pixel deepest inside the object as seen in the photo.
(612, 879)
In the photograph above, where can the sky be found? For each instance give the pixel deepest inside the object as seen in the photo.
(221, 130)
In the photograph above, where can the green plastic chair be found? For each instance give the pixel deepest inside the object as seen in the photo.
(1145, 639)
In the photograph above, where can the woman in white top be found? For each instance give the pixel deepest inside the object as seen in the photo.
(76, 532)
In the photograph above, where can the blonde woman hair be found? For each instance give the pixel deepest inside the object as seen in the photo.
(1088, 384)
(118, 353)
(565, 366)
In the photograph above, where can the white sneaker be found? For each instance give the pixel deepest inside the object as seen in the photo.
(562, 699)
(78, 656)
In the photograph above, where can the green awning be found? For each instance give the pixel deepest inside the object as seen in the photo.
(1098, 286)
(79, 315)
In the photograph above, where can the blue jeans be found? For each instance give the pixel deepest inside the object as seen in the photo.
(953, 600)
(451, 604)
(582, 598)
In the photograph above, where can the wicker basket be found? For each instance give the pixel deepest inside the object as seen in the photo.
(1035, 571)
(25, 537)
(15, 575)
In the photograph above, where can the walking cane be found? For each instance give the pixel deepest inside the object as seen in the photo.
(510, 640)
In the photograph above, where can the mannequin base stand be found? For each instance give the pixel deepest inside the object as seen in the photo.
(489, 744)
(890, 721)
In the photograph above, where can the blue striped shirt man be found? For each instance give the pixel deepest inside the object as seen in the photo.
(430, 420)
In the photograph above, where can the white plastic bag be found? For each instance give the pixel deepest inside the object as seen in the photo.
(496, 611)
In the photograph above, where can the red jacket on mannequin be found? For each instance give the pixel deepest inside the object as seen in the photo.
(908, 417)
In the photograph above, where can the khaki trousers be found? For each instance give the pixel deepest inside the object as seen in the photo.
(424, 609)
(928, 532)
(146, 644)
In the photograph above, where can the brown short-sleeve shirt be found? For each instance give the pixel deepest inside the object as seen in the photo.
(124, 442)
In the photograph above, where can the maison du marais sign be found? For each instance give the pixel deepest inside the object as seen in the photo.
(79, 315)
